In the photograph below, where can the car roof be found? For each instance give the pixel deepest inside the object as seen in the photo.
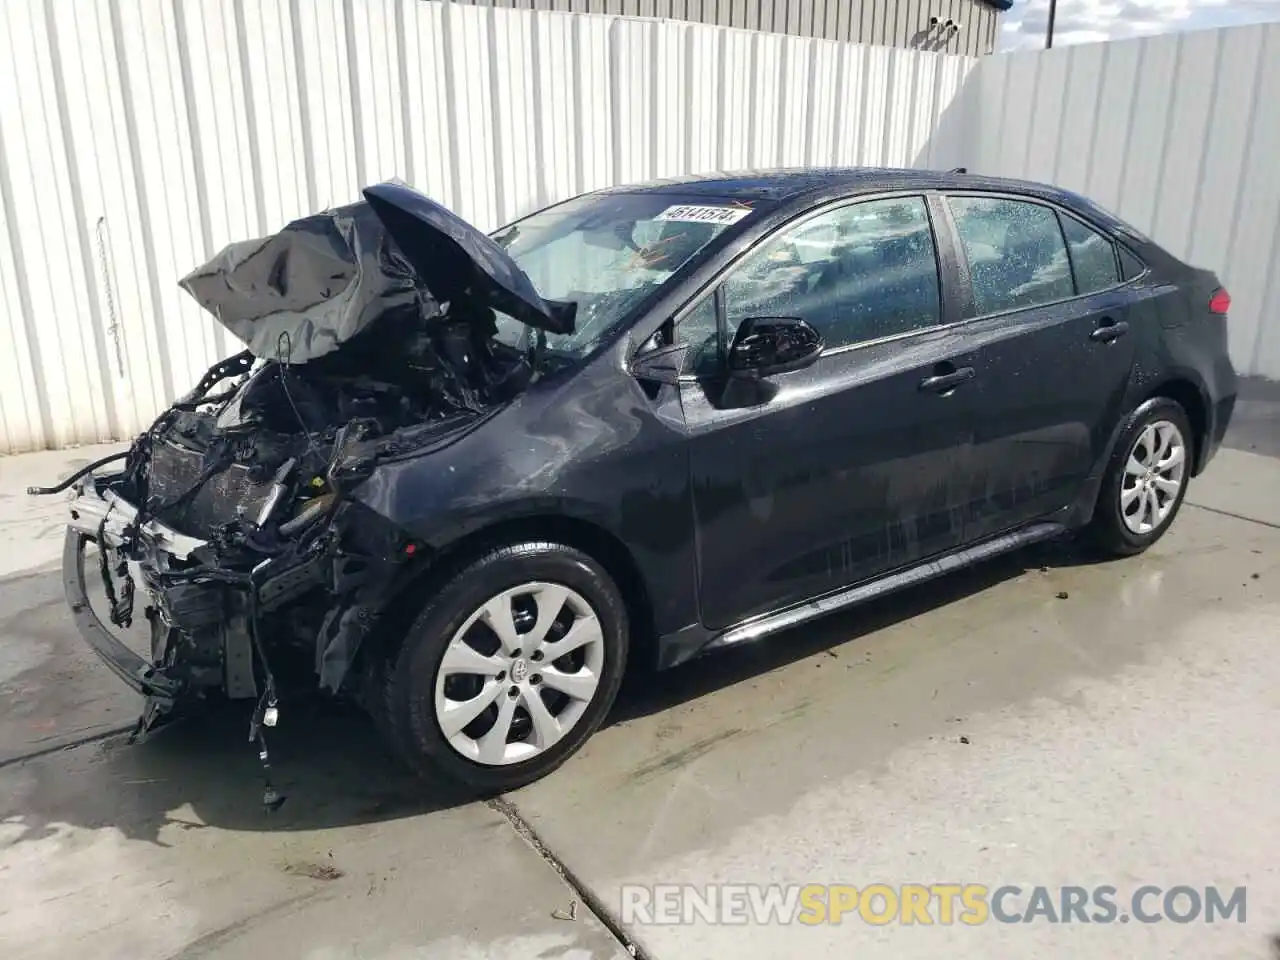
(792, 183)
(800, 186)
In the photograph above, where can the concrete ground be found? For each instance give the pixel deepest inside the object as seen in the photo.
(1037, 721)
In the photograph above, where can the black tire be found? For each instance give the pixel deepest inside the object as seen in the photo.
(407, 708)
(1108, 531)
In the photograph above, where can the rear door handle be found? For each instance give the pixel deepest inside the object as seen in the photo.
(945, 382)
(1108, 330)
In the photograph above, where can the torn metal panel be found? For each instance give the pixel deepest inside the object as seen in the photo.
(302, 292)
(459, 263)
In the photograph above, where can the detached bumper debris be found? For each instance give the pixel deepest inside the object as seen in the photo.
(369, 337)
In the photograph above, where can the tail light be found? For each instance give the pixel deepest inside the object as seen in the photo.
(1220, 302)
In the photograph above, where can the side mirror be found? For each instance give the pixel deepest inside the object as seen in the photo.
(660, 364)
(764, 346)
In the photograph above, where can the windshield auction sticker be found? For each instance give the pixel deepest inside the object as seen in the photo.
(687, 213)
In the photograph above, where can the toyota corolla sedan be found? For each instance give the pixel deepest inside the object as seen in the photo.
(466, 480)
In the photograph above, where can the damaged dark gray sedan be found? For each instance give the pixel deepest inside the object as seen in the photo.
(464, 480)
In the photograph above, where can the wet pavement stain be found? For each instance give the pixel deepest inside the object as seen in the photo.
(682, 757)
(316, 871)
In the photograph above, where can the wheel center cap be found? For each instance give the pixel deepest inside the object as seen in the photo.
(519, 670)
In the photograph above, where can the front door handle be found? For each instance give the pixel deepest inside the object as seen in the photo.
(946, 382)
(1108, 330)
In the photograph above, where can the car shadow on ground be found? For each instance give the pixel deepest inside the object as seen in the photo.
(202, 772)
(1255, 423)
(327, 759)
(647, 693)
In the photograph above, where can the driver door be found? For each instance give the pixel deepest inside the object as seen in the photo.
(818, 478)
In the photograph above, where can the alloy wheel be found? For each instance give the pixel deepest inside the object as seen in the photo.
(1153, 477)
(519, 673)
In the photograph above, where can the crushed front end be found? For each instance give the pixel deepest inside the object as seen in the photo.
(255, 578)
(228, 527)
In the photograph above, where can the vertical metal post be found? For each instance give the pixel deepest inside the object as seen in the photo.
(1053, 10)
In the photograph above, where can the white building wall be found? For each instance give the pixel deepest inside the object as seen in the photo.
(1177, 134)
(137, 137)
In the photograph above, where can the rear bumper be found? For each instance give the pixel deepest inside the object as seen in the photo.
(123, 662)
(1220, 419)
(1221, 406)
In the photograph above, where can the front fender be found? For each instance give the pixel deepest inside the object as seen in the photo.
(445, 496)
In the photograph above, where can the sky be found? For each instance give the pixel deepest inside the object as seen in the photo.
(1090, 21)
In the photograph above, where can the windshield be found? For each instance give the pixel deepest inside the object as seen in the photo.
(608, 252)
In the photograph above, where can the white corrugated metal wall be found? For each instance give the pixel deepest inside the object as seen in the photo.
(892, 23)
(1177, 134)
(137, 137)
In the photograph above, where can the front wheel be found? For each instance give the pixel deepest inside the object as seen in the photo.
(1146, 479)
(509, 668)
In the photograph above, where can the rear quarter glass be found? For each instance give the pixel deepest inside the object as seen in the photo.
(1130, 264)
(1105, 218)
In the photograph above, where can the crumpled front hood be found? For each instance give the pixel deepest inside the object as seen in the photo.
(302, 292)
(458, 262)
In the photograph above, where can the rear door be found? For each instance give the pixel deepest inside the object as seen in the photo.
(854, 465)
(1050, 330)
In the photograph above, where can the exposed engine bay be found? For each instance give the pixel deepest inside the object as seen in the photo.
(369, 331)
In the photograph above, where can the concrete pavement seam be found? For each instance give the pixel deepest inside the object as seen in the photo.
(1234, 516)
(507, 809)
(69, 745)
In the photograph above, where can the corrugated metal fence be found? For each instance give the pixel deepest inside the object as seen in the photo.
(1177, 134)
(898, 23)
(139, 136)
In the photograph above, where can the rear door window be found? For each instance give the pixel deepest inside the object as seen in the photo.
(1016, 253)
(1093, 256)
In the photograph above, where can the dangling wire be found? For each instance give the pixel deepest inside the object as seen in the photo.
(284, 353)
(266, 711)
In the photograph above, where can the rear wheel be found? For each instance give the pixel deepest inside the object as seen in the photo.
(1146, 479)
(509, 668)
